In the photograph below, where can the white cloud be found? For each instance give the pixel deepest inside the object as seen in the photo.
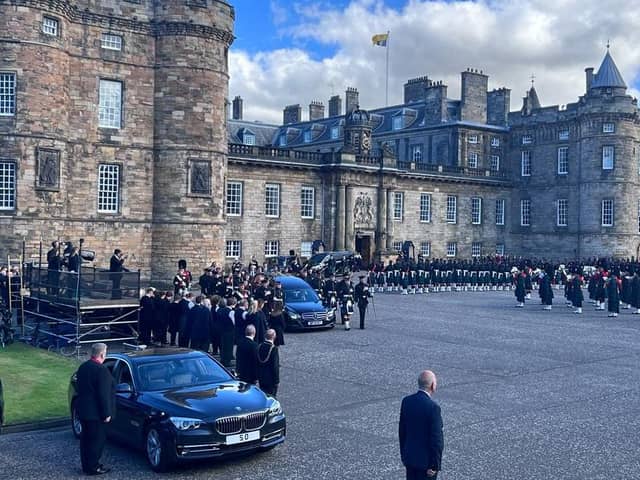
(508, 39)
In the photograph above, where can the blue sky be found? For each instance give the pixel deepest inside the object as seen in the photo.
(296, 51)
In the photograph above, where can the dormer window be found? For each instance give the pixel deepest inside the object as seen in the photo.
(307, 136)
(282, 140)
(249, 138)
(398, 122)
(335, 132)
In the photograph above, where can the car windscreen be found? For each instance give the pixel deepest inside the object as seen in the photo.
(180, 372)
(300, 295)
(317, 259)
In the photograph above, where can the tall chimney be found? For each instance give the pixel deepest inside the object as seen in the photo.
(316, 110)
(237, 108)
(352, 99)
(292, 114)
(335, 106)
(589, 75)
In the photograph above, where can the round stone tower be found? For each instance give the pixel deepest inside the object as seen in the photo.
(190, 141)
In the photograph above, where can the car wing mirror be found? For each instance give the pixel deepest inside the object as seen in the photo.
(124, 388)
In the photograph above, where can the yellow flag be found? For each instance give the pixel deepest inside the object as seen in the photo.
(380, 39)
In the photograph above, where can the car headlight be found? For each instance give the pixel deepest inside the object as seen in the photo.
(182, 423)
(275, 409)
(293, 315)
(331, 313)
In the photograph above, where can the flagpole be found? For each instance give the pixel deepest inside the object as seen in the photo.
(387, 79)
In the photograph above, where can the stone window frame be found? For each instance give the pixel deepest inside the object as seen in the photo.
(562, 212)
(190, 165)
(527, 139)
(107, 41)
(563, 161)
(525, 212)
(106, 81)
(54, 24)
(494, 163)
(397, 246)
(233, 248)
(269, 204)
(451, 249)
(500, 249)
(398, 206)
(525, 163)
(235, 212)
(608, 161)
(495, 142)
(476, 249)
(607, 212)
(476, 210)
(10, 100)
(307, 206)
(109, 167)
(425, 249)
(306, 249)
(473, 160)
(608, 127)
(8, 186)
(425, 207)
(58, 153)
(563, 134)
(249, 138)
(500, 211)
(452, 209)
(472, 139)
(271, 248)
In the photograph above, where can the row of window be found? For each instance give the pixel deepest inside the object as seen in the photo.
(108, 187)
(474, 139)
(109, 41)
(234, 197)
(562, 164)
(109, 102)
(451, 209)
(494, 161)
(562, 210)
(563, 134)
(233, 249)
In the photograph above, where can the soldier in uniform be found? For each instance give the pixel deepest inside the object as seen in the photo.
(361, 296)
(344, 291)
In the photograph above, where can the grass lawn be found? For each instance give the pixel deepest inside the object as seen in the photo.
(35, 383)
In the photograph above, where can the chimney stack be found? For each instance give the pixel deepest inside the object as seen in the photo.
(292, 114)
(316, 111)
(589, 74)
(237, 108)
(352, 99)
(335, 106)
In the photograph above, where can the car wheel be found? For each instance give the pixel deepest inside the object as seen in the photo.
(76, 425)
(159, 454)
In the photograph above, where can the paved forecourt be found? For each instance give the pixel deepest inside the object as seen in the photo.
(525, 394)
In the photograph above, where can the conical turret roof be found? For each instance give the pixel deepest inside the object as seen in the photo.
(608, 75)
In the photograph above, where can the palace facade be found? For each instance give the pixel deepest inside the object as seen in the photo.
(114, 128)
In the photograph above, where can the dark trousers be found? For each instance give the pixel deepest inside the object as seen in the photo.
(418, 474)
(92, 440)
(145, 330)
(174, 335)
(226, 348)
(363, 313)
(116, 291)
(269, 389)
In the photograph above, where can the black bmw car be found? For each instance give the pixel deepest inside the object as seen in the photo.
(178, 404)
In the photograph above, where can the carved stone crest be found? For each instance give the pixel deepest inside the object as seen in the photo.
(200, 175)
(48, 169)
(363, 210)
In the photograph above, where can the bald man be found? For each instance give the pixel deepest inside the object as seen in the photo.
(420, 430)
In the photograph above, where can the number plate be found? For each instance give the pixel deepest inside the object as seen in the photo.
(315, 322)
(242, 437)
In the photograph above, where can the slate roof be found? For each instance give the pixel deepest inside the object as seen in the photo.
(265, 133)
(608, 75)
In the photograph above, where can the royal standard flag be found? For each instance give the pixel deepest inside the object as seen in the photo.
(380, 40)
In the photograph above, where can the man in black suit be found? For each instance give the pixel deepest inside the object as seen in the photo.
(146, 316)
(116, 267)
(420, 430)
(269, 364)
(247, 356)
(96, 408)
(54, 265)
(200, 321)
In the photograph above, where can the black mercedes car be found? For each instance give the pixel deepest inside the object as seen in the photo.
(178, 404)
(303, 309)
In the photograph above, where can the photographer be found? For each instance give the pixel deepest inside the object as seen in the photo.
(116, 267)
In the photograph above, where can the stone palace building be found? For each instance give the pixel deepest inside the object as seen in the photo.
(114, 128)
